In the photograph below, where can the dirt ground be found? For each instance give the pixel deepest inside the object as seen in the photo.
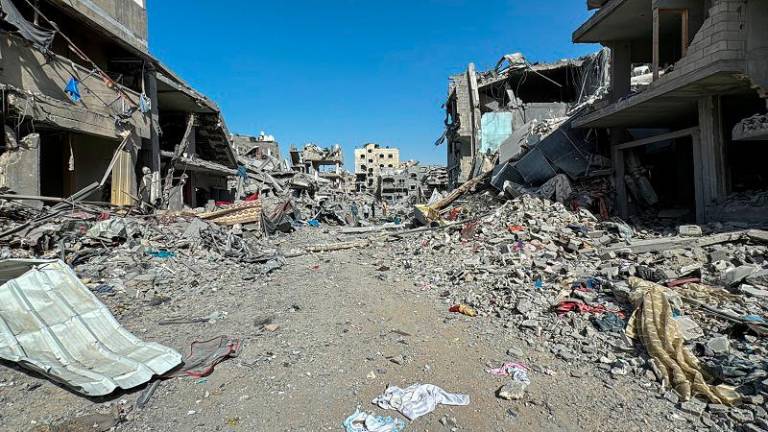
(341, 323)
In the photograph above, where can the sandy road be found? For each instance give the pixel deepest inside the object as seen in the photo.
(344, 327)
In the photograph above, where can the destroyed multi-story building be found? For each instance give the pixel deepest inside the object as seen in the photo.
(673, 109)
(687, 104)
(416, 181)
(260, 147)
(82, 93)
(371, 160)
(496, 116)
(322, 163)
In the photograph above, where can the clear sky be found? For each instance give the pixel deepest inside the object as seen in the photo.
(350, 71)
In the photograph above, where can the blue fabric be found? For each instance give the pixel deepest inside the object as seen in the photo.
(72, 90)
(163, 254)
(242, 172)
(313, 223)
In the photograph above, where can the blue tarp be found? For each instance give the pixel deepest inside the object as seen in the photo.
(496, 127)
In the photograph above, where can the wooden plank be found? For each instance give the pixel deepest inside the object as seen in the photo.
(124, 179)
(658, 138)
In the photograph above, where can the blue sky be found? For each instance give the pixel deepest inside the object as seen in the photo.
(350, 71)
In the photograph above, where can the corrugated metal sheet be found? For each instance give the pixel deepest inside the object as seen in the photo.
(51, 323)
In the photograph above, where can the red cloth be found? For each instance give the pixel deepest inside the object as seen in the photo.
(454, 214)
(573, 306)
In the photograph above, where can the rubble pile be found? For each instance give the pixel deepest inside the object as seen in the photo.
(561, 277)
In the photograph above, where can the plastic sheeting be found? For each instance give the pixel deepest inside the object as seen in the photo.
(39, 36)
(52, 324)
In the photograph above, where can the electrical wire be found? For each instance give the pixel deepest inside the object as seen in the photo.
(107, 79)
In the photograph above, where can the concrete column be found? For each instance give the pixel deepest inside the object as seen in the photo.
(20, 163)
(698, 180)
(617, 157)
(711, 171)
(621, 70)
(192, 180)
(152, 145)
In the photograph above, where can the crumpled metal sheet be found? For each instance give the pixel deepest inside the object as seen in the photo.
(52, 324)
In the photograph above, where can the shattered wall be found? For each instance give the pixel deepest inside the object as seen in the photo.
(20, 164)
(524, 110)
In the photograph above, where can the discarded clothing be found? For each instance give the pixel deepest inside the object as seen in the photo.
(609, 322)
(281, 218)
(517, 371)
(418, 399)
(52, 324)
(566, 306)
(204, 356)
(652, 323)
(463, 309)
(72, 90)
(364, 422)
(736, 371)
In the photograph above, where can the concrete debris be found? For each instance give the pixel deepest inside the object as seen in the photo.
(594, 214)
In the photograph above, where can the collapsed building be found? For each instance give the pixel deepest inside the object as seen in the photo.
(324, 164)
(417, 182)
(669, 119)
(507, 117)
(696, 128)
(83, 96)
(261, 147)
(380, 172)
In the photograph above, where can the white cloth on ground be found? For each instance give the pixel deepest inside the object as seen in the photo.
(418, 399)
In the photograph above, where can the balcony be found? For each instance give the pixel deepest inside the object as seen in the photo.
(36, 84)
(691, 53)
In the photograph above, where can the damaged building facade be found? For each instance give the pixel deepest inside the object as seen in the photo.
(260, 147)
(380, 172)
(371, 160)
(670, 117)
(515, 121)
(83, 96)
(687, 104)
(417, 182)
